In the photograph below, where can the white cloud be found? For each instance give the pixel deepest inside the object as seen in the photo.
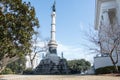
(72, 52)
(81, 26)
(40, 44)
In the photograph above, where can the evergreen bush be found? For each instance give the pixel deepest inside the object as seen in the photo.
(7, 71)
(106, 70)
(28, 71)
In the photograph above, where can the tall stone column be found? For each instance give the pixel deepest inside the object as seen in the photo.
(53, 26)
(52, 44)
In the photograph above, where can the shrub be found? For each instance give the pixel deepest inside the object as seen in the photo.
(7, 71)
(106, 70)
(28, 71)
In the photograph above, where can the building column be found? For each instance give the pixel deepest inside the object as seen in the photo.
(106, 20)
(118, 10)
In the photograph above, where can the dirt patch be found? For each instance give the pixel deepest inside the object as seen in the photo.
(112, 74)
(1, 76)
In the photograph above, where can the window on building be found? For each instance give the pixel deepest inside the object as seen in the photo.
(112, 15)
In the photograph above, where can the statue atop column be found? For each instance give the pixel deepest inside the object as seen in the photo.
(53, 7)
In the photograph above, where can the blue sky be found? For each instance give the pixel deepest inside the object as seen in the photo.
(73, 18)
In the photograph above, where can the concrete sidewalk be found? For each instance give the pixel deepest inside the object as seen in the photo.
(58, 77)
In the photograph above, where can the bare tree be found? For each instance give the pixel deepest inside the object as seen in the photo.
(36, 48)
(108, 43)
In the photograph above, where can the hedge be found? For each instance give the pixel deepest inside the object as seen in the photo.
(106, 70)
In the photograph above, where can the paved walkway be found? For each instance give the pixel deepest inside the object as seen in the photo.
(58, 77)
(12, 77)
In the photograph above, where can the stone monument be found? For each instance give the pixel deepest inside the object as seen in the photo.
(52, 63)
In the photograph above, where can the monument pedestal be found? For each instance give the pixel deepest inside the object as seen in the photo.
(52, 64)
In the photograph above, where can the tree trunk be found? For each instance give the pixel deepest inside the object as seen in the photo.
(32, 64)
(116, 68)
(114, 64)
(5, 61)
(2, 68)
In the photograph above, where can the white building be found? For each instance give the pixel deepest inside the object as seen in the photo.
(104, 9)
(107, 17)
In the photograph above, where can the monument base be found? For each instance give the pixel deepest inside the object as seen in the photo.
(52, 64)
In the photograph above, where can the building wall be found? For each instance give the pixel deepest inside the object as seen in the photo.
(103, 6)
(103, 24)
(104, 21)
(103, 62)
